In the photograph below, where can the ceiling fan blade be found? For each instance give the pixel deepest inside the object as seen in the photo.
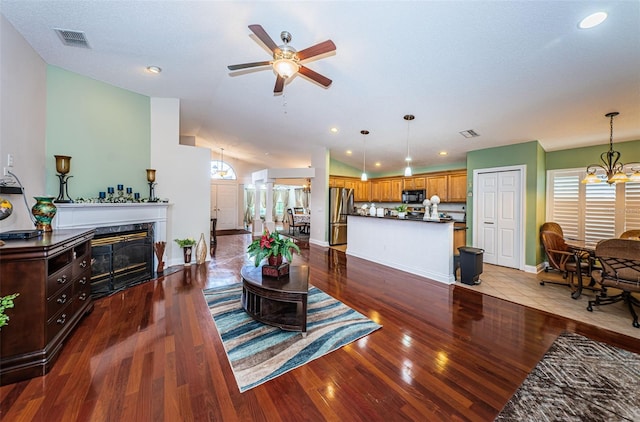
(263, 36)
(247, 65)
(279, 85)
(316, 50)
(322, 80)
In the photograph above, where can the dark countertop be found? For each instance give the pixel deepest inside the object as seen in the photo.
(417, 219)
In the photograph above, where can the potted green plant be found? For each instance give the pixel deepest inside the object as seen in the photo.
(187, 248)
(272, 245)
(402, 211)
(6, 302)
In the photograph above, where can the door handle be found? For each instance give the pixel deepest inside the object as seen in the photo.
(488, 222)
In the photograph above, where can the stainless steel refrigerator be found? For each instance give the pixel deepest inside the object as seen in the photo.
(340, 205)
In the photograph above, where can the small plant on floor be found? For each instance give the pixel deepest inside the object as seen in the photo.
(271, 244)
(183, 243)
(6, 302)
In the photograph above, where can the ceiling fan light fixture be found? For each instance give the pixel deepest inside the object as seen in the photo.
(286, 68)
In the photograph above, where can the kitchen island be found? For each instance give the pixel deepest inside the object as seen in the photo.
(424, 248)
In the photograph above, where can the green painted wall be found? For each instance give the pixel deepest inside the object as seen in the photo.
(581, 157)
(338, 168)
(528, 154)
(105, 129)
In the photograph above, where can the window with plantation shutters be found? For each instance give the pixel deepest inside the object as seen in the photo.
(632, 206)
(591, 211)
(566, 198)
(599, 211)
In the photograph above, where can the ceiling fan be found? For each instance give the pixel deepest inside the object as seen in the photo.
(286, 60)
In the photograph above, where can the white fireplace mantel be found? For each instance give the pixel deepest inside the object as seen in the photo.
(92, 215)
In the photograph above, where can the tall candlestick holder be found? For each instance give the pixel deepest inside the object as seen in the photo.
(151, 178)
(63, 165)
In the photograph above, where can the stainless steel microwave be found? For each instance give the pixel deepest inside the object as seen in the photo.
(413, 196)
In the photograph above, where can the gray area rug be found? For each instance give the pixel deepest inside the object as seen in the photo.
(579, 379)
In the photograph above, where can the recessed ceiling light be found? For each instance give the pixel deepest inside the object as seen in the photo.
(592, 20)
(349, 152)
(154, 69)
(333, 130)
(443, 153)
(377, 163)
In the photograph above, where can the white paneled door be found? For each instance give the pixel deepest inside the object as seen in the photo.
(499, 217)
(224, 205)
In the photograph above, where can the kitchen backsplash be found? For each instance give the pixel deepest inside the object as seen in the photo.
(457, 211)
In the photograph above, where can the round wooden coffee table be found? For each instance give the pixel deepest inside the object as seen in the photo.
(278, 302)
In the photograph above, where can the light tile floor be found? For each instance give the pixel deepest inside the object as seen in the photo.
(524, 288)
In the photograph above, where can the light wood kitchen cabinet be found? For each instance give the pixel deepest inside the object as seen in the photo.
(375, 191)
(350, 184)
(361, 192)
(457, 187)
(449, 186)
(396, 190)
(336, 182)
(414, 183)
(385, 190)
(437, 185)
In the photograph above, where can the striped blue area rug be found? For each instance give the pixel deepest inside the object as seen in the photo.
(258, 352)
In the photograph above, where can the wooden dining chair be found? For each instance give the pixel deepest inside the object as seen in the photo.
(551, 226)
(562, 258)
(292, 222)
(620, 260)
(631, 234)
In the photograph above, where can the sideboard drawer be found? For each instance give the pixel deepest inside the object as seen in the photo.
(59, 321)
(61, 299)
(59, 280)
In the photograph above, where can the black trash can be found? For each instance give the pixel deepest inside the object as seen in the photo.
(470, 264)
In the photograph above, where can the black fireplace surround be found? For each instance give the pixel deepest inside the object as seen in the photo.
(122, 257)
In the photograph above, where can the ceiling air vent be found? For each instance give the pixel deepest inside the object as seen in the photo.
(469, 133)
(72, 38)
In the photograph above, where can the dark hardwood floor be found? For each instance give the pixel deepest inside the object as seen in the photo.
(152, 353)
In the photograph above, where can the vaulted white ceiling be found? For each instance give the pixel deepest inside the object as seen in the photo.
(513, 71)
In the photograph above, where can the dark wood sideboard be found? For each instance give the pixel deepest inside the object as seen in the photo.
(52, 274)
